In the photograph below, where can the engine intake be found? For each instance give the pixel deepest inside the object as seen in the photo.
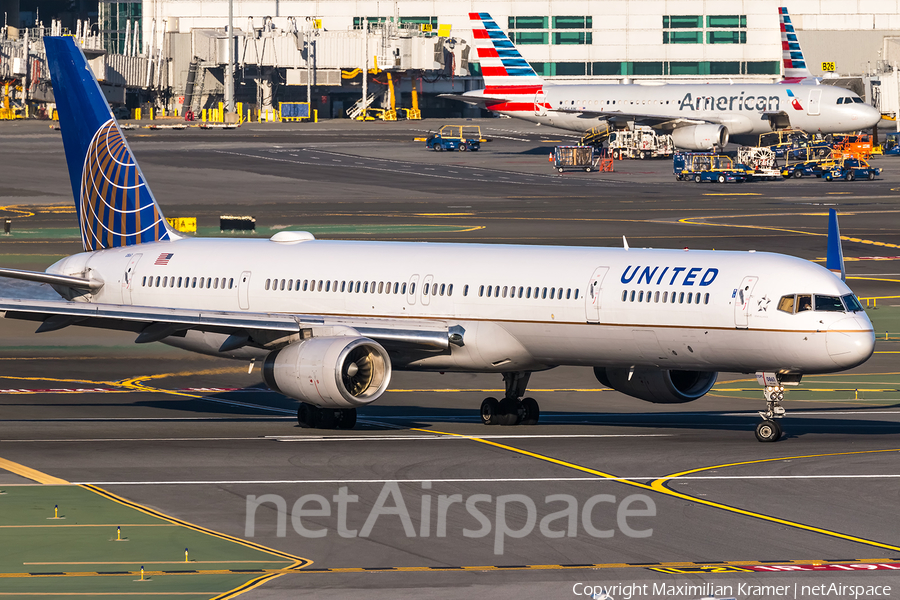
(700, 137)
(657, 385)
(330, 372)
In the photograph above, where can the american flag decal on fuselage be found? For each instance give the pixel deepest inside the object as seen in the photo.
(506, 74)
(164, 259)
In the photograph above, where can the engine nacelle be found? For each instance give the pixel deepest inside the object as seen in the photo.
(700, 137)
(658, 385)
(330, 372)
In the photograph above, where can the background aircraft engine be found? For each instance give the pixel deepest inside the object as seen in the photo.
(658, 385)
(330, 372)
(700, 137)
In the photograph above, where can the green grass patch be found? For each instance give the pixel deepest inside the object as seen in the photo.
(83, 541)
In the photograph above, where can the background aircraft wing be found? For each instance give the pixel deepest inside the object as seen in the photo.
(477, 100)
(262, 330)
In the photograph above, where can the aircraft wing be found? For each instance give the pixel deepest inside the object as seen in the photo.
(665, 123)
(262, 330)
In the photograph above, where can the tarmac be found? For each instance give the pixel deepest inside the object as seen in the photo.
(421, 500)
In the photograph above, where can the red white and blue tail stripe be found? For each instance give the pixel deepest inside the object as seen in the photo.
(794, 64)
(506, 74)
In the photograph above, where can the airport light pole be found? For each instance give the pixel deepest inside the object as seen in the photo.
(229, 69)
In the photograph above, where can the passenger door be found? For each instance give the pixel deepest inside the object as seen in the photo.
(128, 278)
(741, 300)
(815, 102)
(540, 108)
(244, 291)
(592, 297)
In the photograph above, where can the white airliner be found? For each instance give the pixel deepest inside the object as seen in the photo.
(699, 116)
(654, 324)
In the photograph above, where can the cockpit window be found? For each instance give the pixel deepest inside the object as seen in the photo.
(804, 302)
(829, 304)
(852, 303)
(858, 100)
(840, 101)
(786, 304)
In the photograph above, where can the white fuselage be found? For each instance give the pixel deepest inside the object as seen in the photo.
(745, 109)
(547, 306)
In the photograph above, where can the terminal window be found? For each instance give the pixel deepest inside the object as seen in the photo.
(726, 37)
(713, 29)
(528, 22)
(682, 37)
(530, 37)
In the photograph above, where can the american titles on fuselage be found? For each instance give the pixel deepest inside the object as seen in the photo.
(688, 275)
(758, 103)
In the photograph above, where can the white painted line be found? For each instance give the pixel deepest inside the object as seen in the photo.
(483, 480)
(394, 438)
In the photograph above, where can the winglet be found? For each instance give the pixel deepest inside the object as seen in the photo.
(834, 260)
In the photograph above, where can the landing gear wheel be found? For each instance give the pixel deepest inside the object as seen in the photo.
(510, 413)
(697, 178)
(346, 419)
(490, 411)
(532, 411)
(768, 431)
(326, 418)
(306, 415)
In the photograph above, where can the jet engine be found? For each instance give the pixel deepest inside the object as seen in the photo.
(659, 386)
(700, 137)
(330, 372)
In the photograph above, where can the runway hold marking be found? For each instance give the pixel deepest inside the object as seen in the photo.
(659, 486)
(745, 566)
(743, 194)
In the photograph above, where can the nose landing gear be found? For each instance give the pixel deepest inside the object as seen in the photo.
(769, 430)
(511, 410)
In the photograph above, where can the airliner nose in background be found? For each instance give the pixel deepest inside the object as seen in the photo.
(699, 116)
(657, 325)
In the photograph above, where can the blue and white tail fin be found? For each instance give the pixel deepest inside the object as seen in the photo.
(114, 205)
(795, 69)
(834, 259)
(504, 70)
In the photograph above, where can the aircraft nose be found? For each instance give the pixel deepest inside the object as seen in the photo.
(870, 115)
(850, 341)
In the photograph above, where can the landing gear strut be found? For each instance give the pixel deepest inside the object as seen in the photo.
(313, 417)
(511, 410)
(769, 430)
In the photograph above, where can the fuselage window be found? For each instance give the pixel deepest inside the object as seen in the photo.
(290, 285)
(165, 280)
(373, 287)
(706, 298)
(356, 287)
(412, 288)
(552, 293)
(656, 297)
(305, 284)
(649, 296)
(528, 292)
(641, 296)
(544, 294)
(328, 286)
(632, 296)
(381, 287)
(144, 281)
(434, 289)
(480, 291)
(697, 298)
(466, 290)
(179, 282)
(568, 293)
(521, 291)
(230, 283)
(403, 289)
(343, 286)
(829, 304)
(624, 295)
(194, 282)
(425, 289)
(396, 287)
(681, 298)
(208, 282)
(804, 302)
(365, 287)
(665, 297)
(504, 291)
(559, 294)
(490, 289)
(576, 294)
(443, 289)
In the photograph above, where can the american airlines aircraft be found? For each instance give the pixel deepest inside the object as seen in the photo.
(698, 116)
(654, 324)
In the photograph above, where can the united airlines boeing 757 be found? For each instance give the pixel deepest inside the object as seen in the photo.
(654, 324)
(699, 116)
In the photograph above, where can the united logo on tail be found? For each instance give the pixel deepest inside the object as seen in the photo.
(114, 204)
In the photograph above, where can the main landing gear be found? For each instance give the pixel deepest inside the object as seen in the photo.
(769, 430)
(511, 410)
(313, 417)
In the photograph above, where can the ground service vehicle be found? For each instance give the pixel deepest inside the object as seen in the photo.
(705, 166)
(641, 142)
(456, 137)
(806, 168)
(850, 169)
(574, 158)
(891, 145)
(759, 160)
